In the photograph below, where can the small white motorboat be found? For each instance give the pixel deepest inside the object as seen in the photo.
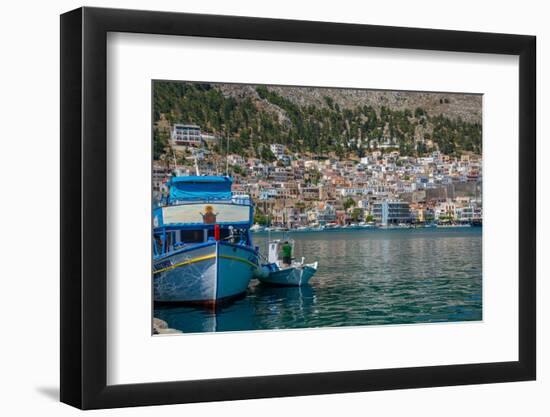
(257, 228)
(276, 272)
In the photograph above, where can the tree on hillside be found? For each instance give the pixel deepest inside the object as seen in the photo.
(160, 143)
(350, 202)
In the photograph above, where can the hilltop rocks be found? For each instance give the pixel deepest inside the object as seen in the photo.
(452, 106)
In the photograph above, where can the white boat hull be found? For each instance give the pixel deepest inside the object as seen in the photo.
(206, 275)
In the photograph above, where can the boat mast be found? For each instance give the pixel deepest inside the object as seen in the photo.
(268, 242)
(227, 154)
(197, 172)
(175, 163)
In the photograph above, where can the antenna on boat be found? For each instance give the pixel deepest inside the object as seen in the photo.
(227, 154)
(268, 235)
(175, 163)
(197, 167)
(197, 172)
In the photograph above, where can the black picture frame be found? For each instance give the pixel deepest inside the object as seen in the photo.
(84, 207)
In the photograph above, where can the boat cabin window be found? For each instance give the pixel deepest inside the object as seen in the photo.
(174, 239)
(191, 236)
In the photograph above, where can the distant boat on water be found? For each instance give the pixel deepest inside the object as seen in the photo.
(453, 226)
(202, 247)
(257, 228)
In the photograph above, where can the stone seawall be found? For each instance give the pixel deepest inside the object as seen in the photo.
(161, 327)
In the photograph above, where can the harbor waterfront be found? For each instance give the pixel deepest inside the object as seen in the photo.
(365, 277)
(293, 207)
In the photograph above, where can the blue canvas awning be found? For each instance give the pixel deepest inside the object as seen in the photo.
(195, 187)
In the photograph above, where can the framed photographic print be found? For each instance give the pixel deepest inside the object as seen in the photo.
(258, 208)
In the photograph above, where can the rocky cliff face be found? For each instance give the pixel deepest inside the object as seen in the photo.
(468, 107)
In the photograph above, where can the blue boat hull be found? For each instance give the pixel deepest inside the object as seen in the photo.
(206, 274)
(291, 276)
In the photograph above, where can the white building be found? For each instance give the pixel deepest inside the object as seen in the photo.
(209, 137)
(469, 213)
(363, 204)
(322, 215)
(310, 192)
(235, 159)
(446, 209)
(161, 173)
(186, 135)
(277, 149)
(425, 160)
(351, 191)
(391, 212)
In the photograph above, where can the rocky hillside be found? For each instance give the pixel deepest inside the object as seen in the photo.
(450, 105)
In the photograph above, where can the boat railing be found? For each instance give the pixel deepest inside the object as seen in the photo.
(236, 198)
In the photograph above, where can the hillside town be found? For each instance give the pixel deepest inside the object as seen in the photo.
(303, 190)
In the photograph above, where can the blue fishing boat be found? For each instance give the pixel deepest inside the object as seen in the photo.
(202, 246)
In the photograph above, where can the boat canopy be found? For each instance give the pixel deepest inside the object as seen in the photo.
(200, 188)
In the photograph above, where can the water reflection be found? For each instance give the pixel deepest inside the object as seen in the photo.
(263, 307)
(370, 277)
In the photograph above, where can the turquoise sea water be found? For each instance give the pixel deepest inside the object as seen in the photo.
(364, 278)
